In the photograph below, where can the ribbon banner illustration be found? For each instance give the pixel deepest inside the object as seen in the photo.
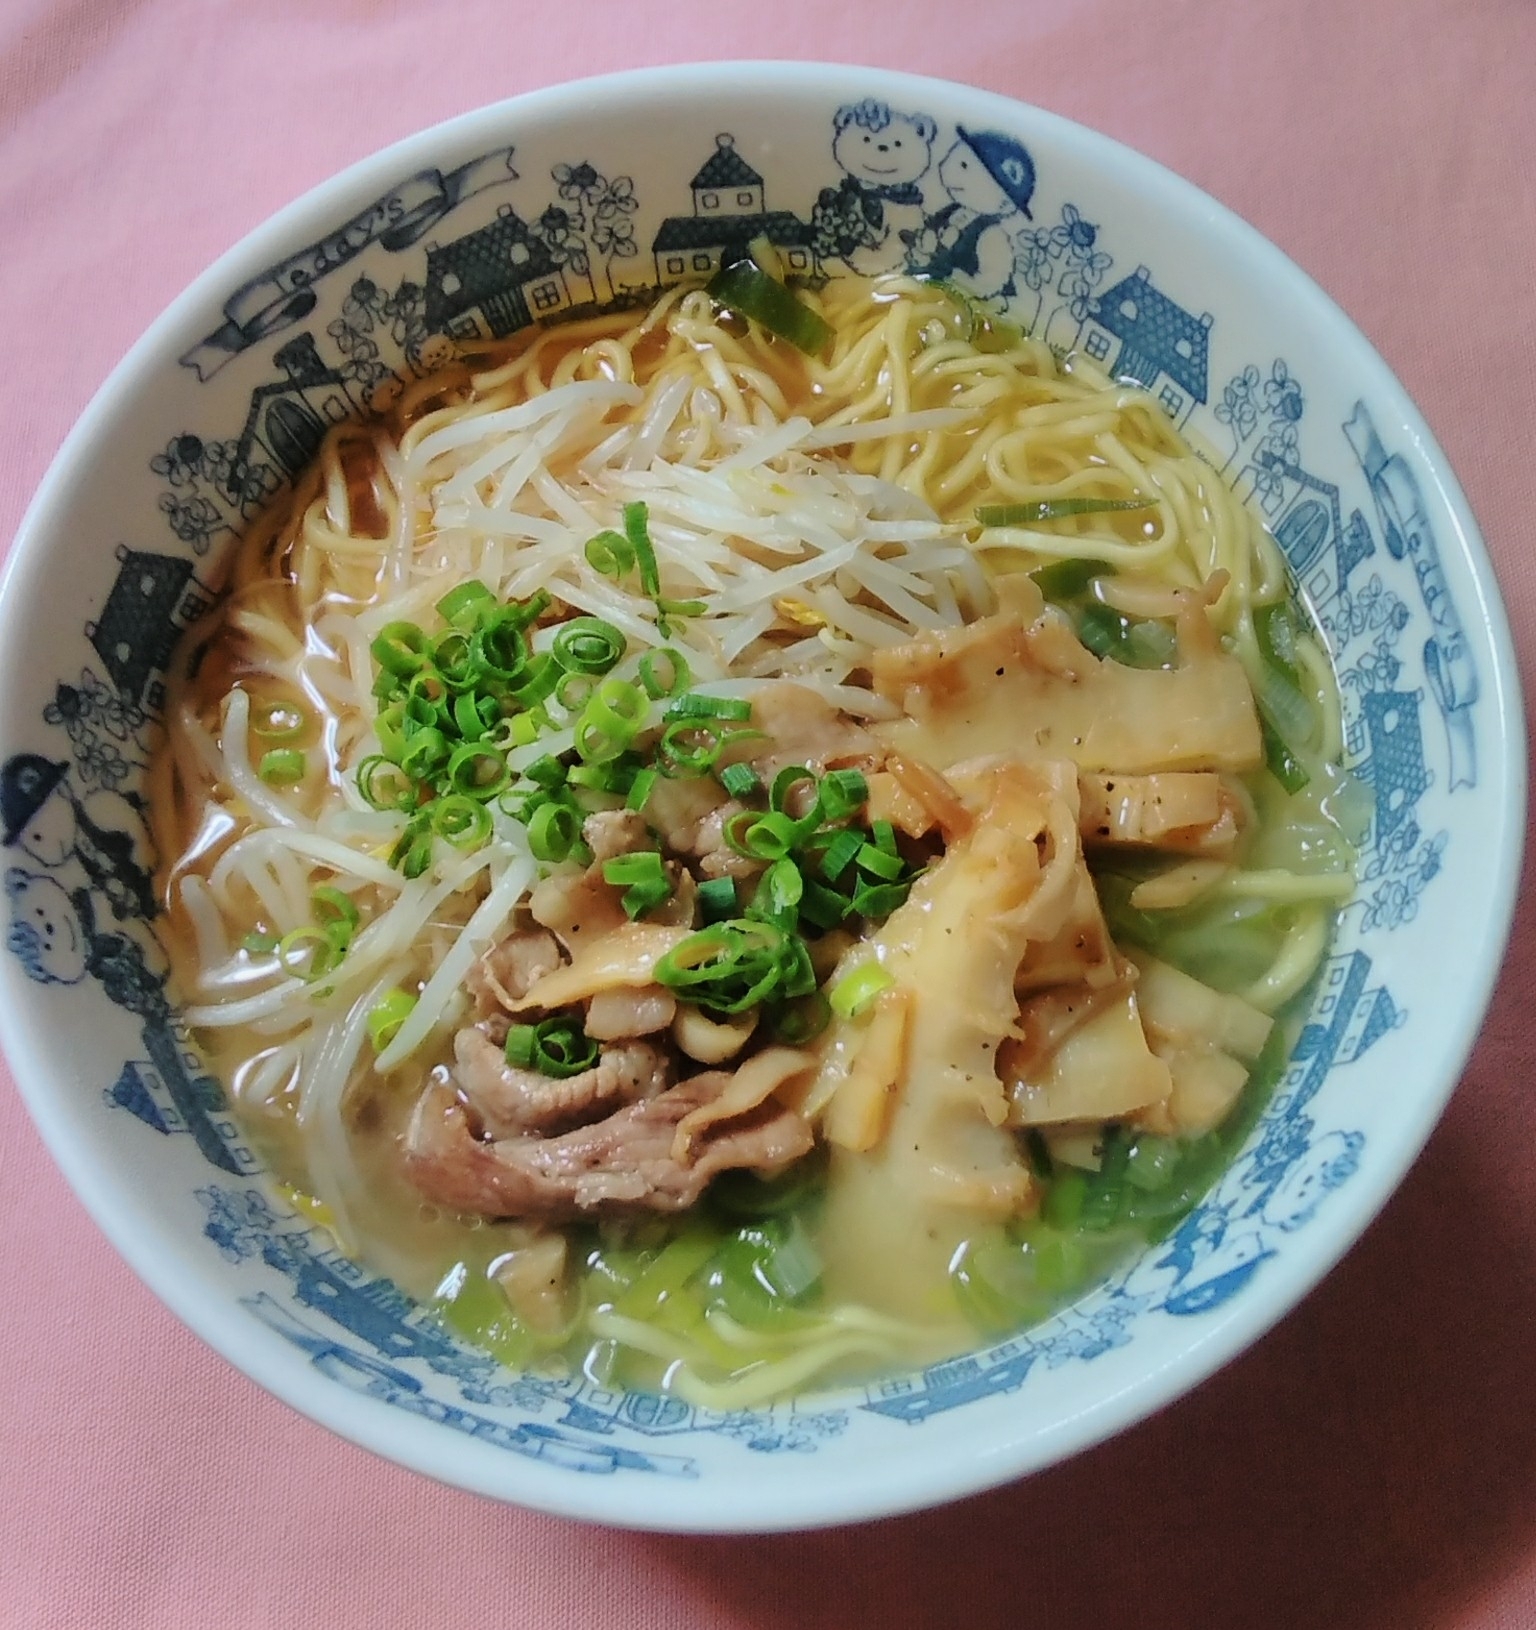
(284, 294)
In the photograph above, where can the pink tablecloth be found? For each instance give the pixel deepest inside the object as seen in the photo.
(1373, 1462)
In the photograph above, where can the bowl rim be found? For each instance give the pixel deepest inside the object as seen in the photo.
(883, 1485)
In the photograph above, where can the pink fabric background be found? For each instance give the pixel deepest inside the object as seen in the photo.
(1371, 1463)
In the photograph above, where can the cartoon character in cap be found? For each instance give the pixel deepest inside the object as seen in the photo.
(990, 179)
(91, 837)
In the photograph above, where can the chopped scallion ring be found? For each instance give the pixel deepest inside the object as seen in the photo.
(282, 767)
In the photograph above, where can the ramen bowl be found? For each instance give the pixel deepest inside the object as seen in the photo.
(599, 195)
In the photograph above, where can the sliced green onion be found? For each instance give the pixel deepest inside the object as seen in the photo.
(522, 730)
(696, 705)
(692, 747)
(879, 899)
(750, 292)
(575, 690)
(556, 1047)
(783, 788)
(884, 836)
(424, 706)
(425, 754)
(734, 965)
(1054, 509)
(553, 831)
(259, 944)
(838, 854)
(758, 836)
(854, 992)
(412, 853)
(611, 720)
(740, 780)
(681, 608)
(610, 553)
(587, 645)
(823, 907)
(467, 716)
(842, 792)
(778, 895)
(643, 879)
(1066, 580)
(281, 766)
(386, 1016)
(678, 673)
(717, 899)
(335, 914)
(279, 721)
(463, 821)
(546, 772)
(465, 604)
(400, 648)
(500, 645)
(390, 728)
(456, 662)
(538, 681)
(477, 771)
(641, 788)
(637, 532)
(877, 863)
(308, 952)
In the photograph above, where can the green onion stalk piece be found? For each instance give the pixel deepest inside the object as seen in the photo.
(751, 293)
(1054, 509)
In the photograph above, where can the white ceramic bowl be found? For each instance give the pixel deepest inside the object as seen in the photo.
(318, 315)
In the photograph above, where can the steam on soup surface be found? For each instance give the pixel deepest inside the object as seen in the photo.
(734, 870)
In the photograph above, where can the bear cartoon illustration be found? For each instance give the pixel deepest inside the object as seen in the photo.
(53, 934)
(45, 932)
(883, 155)
(990, 179)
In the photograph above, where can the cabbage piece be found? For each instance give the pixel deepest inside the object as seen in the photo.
(1026, 686)
(897, 1210)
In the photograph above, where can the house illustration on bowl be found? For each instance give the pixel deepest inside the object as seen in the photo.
(729, 211)
(289, 417)
(495, 280)
(1134, 331)
(152, 600)
(172, 1093)
(1305, 515)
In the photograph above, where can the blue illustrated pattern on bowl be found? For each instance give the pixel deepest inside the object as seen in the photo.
(378, 302)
